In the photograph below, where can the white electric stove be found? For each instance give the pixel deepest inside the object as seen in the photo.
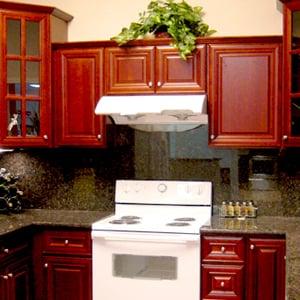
(150, 247)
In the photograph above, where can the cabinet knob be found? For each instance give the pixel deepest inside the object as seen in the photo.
(4, 277)
(223, 249)
(6, 250)
(150, 84)
(46, 265)
(99, 136)
(284, 137)
(66, 242)
(222, 283)
(10, 275)
(252, 247)
(45, 137)
(158, 83)
(212, 136)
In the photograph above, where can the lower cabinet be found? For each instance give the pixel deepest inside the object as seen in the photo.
(15, 270)
(242, 267)
(63, 265)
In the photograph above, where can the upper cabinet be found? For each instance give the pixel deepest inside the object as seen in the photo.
(244, 94)
(26, 33)
(153, 69)
(291, 135)
(77, 82)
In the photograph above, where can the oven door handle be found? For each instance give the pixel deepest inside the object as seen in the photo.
(176, 239)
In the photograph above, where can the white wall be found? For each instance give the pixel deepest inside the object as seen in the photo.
(101, 19)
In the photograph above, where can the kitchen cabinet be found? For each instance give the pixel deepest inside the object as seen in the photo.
(26, 33)
(242, 267)
(77, 81)
(153, 69)
(244, 94)
(15, 270)
(64, 264)
(291, 62)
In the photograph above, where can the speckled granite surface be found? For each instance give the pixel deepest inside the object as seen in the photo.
(48, 217)
(268, 225)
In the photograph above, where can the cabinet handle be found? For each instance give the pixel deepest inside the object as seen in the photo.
(99, 136)
(223, 249)
(150, 84)
(284, 137)
(66, 242)
(212, 137)
(46, 265)
(252, 247)
(45, 137)
(4, 277)
(10, 275)
(158, 83)
(222, 283)
(6, 250)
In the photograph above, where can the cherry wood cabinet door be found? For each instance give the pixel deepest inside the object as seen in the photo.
(129, 70)
(244, 95)
(77, 88)
(67, 278)
(175, 75)
(266, 269)
(25, 102)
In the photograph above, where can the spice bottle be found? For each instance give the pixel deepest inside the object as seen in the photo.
(230, 210)
(244, 209)
(223, 211)
(251, 210)
(237, 209)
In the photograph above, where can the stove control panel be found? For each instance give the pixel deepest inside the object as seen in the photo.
(164, 192)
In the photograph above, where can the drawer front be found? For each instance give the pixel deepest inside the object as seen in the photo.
(227, 249)
(222, 282)
(68, 242)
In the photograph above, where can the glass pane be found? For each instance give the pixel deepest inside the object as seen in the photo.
(14, 37)
(295, 117)
(32, 78)
(14, 122)
(32, 118)
(32, 38)
(296, 30)
(145, 267)
(295, 73)
(14, 77)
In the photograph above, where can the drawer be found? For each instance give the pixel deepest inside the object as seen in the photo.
(222, 282)
(226, 249)
(67, 242)
(12, 248)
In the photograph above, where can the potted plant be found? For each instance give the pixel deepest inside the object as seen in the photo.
(182, 22)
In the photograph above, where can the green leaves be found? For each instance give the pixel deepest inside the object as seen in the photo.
(183, 23)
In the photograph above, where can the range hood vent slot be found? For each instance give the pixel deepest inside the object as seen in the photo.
(156, 112)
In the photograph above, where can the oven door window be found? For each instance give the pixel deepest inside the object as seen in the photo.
(145, 267)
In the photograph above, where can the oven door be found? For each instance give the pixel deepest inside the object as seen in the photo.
(145, 266)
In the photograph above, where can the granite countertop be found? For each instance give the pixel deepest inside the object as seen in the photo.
(49, 217)
(289, 226)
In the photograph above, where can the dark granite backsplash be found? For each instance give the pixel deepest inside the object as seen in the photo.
(85, 178)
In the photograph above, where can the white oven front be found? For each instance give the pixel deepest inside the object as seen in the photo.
(135, 266)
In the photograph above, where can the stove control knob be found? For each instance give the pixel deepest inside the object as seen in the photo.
(162, 187)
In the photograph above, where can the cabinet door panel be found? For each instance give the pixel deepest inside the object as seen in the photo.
(129, 70)
(222, 282)
(68, 278)
(244, 95)
(266, 269)
(78, 84)
(176, 75)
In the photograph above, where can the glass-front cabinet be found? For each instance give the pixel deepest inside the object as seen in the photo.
(291, 84)
(25, 81)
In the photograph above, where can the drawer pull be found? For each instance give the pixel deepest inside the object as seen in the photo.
(150, 84)
(45, 265)
(10, 275)
(252, 247)
(6, 250)
(66, 242)
(222, 283)
(223, 249)
(4, 277)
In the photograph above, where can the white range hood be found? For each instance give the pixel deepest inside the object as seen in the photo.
(156, 112)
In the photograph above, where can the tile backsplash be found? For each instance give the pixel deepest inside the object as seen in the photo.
(85, 178)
